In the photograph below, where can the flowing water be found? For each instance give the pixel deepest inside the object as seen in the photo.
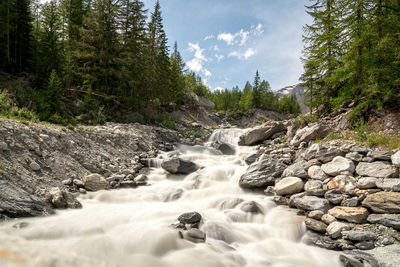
(132, 227)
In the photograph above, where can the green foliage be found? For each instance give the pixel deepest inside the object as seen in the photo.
(8, 109)
(166, 122)
(351, 54)
(304, 120)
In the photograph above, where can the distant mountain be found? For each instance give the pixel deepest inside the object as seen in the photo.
(296, 90)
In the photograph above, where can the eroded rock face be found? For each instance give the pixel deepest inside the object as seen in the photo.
(261, 133)
(350, 214)
(262, 173)
(289, 185)
(16, 202)
(339, 165)
(383, 202)
(95, 182)
(179, 166)
(379, 169)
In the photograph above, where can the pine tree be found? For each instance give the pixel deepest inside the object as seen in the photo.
(177, 80)
(256, 91)
(246, 98)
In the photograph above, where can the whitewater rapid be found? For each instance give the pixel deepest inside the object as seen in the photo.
(132, 227)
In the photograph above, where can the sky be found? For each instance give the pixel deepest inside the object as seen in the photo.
(226, 41)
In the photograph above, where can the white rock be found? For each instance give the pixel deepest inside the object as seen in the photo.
(396, 159)
(315, 172)
(366, 182)
(289, 185)
(3, 146)
(339, 165)
(34, 166)
(379, 169)
(95, 182)
(335, 229)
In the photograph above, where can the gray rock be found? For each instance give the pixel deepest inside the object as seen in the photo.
(379, 169)
(350, 202)
(354, 156)
(315, 172)
(367, 159)
(82, 190)
(293, 197)
(311, 203)
(358, 235)
(225, 148)
(62, 199)
(367, 182)
(34, 166)
(127, 184)
(280, 200)
(326, 242)
(3, 146)
(309, 133)
(289, 185)
(339, 165)
(335, 229)
(16, 202)
(312, 162)
(78, 182)
(334, 196)
(260, 133)
(383, 202)
(362, 150)
(296, 170)
(379, 155)
(179, 166)
(262, 173)
(328, 219)
(270, 191)
(252, 158)
(389, 220)
(365, 245)
(95, 182)
(315, 214)
(67, 181)
(314, 188)
(315, 225)
(190, 218)
(389, 184)
(396, 159)
(195, 235)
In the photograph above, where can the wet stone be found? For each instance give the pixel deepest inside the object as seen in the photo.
(190, 218)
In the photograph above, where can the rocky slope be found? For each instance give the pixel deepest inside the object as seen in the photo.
(44, 166)
(348, 195)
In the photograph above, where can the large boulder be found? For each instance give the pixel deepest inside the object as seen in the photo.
(309, 133)
(289, 185)
(296, 170)
(179, 166)
(311, 203)
(262, 173)
(339, 165)
(350, 214)
(16, 202)
(379, 169)
(396, 159)
(95, 182)
(260, 133)
(383, 202)
(390, 220)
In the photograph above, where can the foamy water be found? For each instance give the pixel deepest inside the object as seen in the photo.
(132, 227)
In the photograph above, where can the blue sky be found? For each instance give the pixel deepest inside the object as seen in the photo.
(226, 41)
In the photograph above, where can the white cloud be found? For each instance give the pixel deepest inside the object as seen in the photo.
(219, 57)
(215, 48)
(196, 64)
(207, 73)
(248, 53)
(244, 36)
(257, 30)
(227, 37)
(208, 37)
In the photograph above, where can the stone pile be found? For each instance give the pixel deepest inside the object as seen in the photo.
(349, 194)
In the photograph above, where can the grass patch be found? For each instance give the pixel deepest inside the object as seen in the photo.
(166, 121)
(303, 120)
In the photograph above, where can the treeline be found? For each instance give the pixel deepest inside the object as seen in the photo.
(90, 60)
(256, 95)
(352, 54)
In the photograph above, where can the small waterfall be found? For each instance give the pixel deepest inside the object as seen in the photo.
(132, 227)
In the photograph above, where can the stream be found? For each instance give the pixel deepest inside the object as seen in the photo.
(132, 227)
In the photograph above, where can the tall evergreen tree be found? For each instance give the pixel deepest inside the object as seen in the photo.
(257, 98)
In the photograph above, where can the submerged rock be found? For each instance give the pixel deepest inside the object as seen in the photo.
(195, 235)
(179, 166)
